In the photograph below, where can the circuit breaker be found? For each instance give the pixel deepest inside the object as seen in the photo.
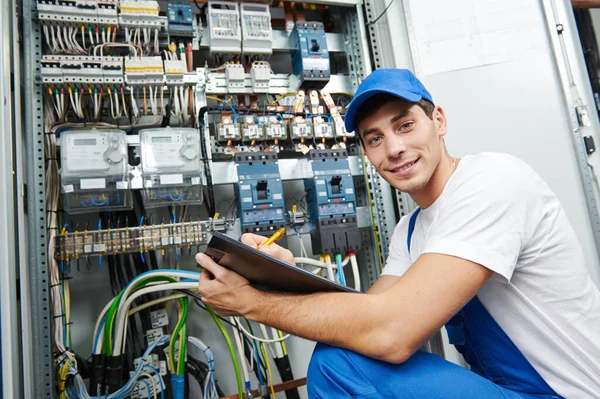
(310, 59)
(224, 32)
(260, 192)
(171, 166)
(94, 170)
(181, 19)
(332, 202)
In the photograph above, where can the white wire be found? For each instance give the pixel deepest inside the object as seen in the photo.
(240, 347)
(271, 345)
(134, 108)
(151, 383)
(355, 272)
(123, 102)
(60, 42)
(267, 341)
(121, 317)
(83, 39)
(91, 37)
(329, 265)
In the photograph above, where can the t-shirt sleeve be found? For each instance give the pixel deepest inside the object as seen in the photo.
(398, 260)
(489, 216)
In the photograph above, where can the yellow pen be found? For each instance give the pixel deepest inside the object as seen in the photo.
(278, 234)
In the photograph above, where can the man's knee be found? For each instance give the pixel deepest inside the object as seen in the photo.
(328, 373)
(323, 357)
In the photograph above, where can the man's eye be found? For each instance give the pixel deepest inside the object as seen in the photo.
(375, 140)
(406, 126)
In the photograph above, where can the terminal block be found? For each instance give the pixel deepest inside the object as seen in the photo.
(184, 235)
(171, 167)
(332, 202)
(257, 33)
(224, 33)
(181, 19)
(260, 75)
(310, 58)
(94, 170)
(260, 193)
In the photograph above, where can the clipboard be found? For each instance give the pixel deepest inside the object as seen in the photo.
(265, 272)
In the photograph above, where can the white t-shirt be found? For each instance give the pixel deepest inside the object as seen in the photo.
(498, 212)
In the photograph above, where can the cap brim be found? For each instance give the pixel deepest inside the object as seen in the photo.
(359, 100)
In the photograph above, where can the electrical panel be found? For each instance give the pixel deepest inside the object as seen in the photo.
(171, 167)
(224, 32)
(260, 193)
(172, 140)
(94, 170)
(332, 202)
(181, 19)
(310, 60)
(257, 33)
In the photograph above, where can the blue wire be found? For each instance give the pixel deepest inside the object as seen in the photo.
(260, 379)
(100, 329)
(338, 261)
(142, 252)
(162, 386)
(147, 387)
(101, 258)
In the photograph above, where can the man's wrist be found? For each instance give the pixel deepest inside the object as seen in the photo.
(254, 302)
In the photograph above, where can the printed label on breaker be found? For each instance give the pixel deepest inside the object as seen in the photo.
(159, 318)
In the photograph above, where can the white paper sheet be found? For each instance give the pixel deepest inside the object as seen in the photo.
(449, 35)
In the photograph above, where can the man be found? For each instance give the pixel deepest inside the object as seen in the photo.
(489, 253)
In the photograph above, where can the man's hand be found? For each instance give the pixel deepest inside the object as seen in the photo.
(228, 293)
(274, 250)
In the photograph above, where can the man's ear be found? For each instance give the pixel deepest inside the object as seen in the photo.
(439, 120)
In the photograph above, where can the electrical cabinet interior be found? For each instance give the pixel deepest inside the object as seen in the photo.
(164, 123)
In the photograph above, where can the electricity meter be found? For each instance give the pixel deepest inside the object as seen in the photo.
(94, 170)
(171, 166)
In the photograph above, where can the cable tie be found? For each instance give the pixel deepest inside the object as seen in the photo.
(56, 317)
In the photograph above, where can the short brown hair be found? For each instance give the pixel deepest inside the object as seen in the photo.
(374, 103)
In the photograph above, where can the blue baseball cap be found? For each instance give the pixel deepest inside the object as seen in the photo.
(401, 83)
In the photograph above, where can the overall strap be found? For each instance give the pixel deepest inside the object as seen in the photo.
(411, 227)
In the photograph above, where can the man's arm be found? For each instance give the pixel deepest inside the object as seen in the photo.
(382, 284)
(389, 326)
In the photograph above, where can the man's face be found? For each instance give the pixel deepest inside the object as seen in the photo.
(404, 144)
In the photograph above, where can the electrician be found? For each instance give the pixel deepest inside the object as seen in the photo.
(489, 253)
